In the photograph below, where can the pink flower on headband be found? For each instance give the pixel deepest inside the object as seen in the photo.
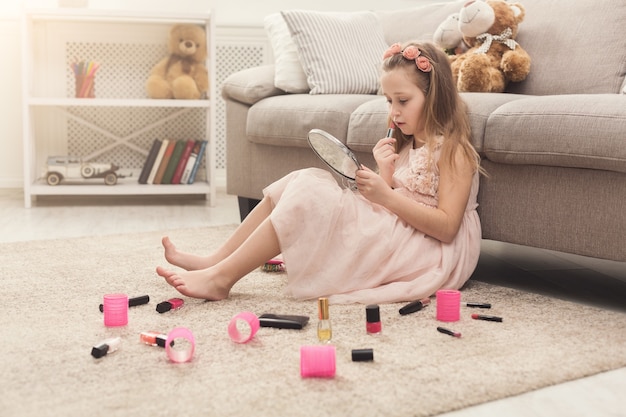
(412, 53)
(396, 48)
(423, 64)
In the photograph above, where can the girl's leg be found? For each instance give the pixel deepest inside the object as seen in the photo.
(214, 283)
(193, 262)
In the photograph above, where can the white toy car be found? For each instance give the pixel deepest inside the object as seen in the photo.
(67, 168)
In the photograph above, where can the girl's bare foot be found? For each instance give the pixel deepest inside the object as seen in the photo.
(205, 284)
(185, 260)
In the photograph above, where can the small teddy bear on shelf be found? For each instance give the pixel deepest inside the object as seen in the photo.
(494, 58)
(183, 74)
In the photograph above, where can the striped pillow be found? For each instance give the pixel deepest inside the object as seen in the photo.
(340, 52)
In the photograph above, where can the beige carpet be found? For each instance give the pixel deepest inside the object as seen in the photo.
(50, 320)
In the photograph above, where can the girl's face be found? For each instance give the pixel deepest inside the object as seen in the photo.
(406, 101)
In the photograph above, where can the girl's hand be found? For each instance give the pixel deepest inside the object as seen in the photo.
(371, 185)
(386, 156)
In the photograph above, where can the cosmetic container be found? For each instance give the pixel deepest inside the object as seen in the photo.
(414, 306)
(105, 347)
(324, 329)
(317, 361)
(372, 318)
(448, 305)
(171, 304)
(115, 309)
(153, 338)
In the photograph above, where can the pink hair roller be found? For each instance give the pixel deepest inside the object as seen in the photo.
(317, 361)
(252, 321)
(115, 309)
(448, 305)
(180, 354)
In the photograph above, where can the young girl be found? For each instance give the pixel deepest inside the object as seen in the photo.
(410, 229)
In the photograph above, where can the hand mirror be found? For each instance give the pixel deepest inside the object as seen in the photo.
(334, 153)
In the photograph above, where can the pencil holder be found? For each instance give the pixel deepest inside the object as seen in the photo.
(115, 308)
(85, 86)
(448, 305)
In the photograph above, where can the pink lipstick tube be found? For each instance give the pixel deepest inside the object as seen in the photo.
(171, 304)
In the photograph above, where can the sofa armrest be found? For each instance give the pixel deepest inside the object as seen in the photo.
(251, 85)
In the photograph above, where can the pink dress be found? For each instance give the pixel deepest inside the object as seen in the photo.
(337, 244)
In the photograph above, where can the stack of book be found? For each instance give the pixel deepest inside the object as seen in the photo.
(172, 162)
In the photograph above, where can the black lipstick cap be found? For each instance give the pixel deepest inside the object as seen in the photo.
(362, 355)
(164, 307)
(99, 351)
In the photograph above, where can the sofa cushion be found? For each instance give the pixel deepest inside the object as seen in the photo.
(286, 120)
(289, 75)
(340, 52)
(577, 131)
(576, 47)
(250, 85)
(361, 136)
(479, 108)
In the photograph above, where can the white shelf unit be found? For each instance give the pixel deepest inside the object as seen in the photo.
(120, 124)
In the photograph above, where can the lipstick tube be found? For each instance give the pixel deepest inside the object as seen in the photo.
(414, 306)
(486, 318)
(171, 304)
(391, 129)
(153, 338)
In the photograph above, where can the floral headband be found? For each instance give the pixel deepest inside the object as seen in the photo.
(412, 53)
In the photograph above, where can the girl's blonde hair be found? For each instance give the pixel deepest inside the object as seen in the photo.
(444, 113)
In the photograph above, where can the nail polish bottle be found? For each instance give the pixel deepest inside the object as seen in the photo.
(372, 316)
(105, 347)
(324, 330)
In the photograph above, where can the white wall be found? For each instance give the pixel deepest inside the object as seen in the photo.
(229, 15)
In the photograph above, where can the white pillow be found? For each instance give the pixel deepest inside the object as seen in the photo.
(288, 73)
(340, 52)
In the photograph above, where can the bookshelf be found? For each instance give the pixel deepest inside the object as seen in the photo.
(120, 124)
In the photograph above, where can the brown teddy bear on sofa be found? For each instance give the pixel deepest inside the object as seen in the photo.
(494, 57)
(183, 74)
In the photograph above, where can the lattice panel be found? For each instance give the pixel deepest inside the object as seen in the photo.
(231, 58)
(123, 76)
(124, 68)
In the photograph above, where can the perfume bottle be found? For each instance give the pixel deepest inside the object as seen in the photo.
(324, 330)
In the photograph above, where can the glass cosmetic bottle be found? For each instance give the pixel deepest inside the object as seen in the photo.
(324, 330)
(372, 316)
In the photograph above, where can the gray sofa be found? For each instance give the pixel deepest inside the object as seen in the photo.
(554, 145)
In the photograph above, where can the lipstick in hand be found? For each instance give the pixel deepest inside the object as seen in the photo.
(171, 304)
(391, 129)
